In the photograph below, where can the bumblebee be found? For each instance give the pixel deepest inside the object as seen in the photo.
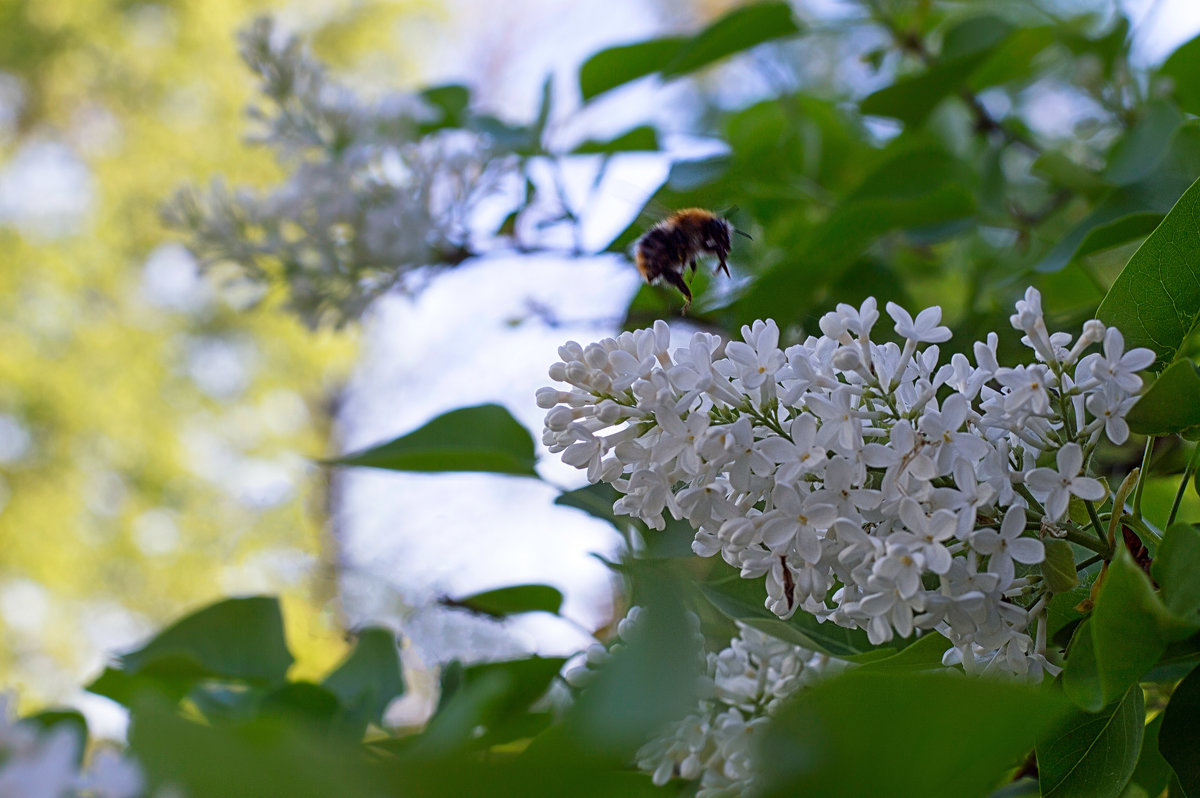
(676, 242)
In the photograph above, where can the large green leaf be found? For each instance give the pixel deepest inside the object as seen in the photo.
(903, 735)
(482, 438)
(370, 677)
(744, 600)
(1171, 405)
(1179, 736)
(1156, 299)
(1093, 755)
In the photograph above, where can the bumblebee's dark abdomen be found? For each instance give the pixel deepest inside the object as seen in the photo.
(667, 246)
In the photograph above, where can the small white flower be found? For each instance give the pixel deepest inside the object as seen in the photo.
(1007, 545)
(1121, 367)
(925, 329)
(1056, 487)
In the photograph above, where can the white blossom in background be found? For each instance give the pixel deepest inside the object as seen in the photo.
(370, 199)
(740, 687)
(42, 764)
(873, 485)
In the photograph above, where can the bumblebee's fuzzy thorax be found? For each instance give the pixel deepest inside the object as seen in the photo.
(677, 241)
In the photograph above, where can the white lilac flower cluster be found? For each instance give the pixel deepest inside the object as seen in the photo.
(739, 689)
(44, 764)
(873, 485)
(371, 198)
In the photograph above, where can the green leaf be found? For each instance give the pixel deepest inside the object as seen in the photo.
(893, 734)
(511, 600)
(1145, 145)
(450, 103)
(483, 438)
(240, 638)
(1093, 755)
(1064, 172)
(673, 56)
(617, 66)
(1179, 736)
(740, 29)
(924, 653)
(1131, 627)
(650, 681)
(1171, 405)
(1061, 615)
(1081, 677)
(268, 757)
(1183, 68)
(595, 500)
(744, 600)
(640, 139)
(370, 677)
(303, 702)
(912, 99)
(1120, 231)
(783, 290)
(1152, 772)
(1155, 301)
(1058, 567)
(1175, 568)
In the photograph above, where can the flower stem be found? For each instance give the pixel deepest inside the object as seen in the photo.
(1088, 542)
(1137, 492)
(1188, 470)
(1096, 525)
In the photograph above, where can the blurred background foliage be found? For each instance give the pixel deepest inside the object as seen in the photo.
(154, 428)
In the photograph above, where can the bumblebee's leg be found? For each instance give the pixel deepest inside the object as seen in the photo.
(676, 279)
(692, 265)
(722, 268)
